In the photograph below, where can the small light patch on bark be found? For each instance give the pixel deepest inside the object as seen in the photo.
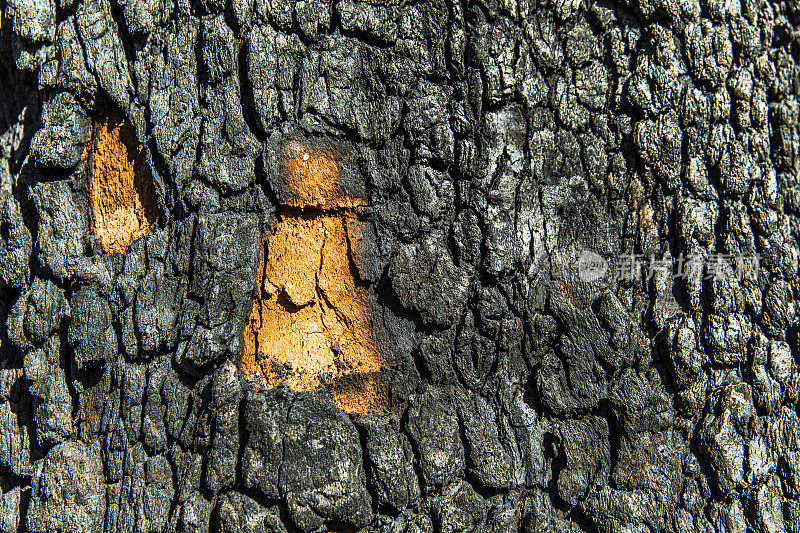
(310, 326)
(121, 194)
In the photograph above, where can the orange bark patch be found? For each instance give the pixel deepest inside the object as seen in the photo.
(310, 326)
(311, 178)
(363, 395)
(122, 197)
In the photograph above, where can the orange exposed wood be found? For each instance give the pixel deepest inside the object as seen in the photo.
(310, 326)
(311, 175)
(122, 196)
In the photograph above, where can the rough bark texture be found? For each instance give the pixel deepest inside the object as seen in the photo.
(479, 150)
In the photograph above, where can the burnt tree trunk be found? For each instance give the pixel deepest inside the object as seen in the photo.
(404, 266)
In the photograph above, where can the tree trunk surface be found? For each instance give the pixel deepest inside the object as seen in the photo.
(345, 265)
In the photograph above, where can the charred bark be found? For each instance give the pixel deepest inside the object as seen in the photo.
(402, 266)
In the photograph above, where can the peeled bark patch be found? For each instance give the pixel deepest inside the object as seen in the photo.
(122, 196)
(311, 324)
(312, 177)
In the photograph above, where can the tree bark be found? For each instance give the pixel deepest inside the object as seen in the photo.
(399, 266)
